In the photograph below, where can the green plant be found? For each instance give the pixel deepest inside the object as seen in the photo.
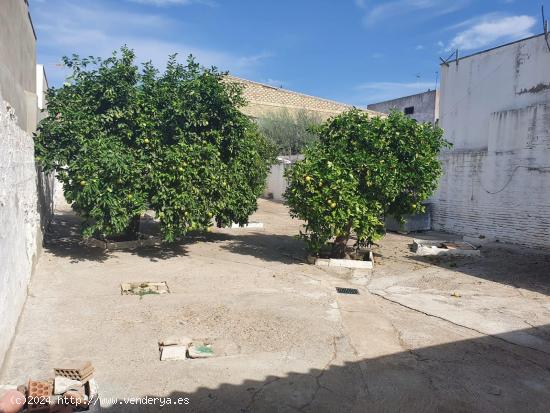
(124, 139)
(290, 133)
(362, 169)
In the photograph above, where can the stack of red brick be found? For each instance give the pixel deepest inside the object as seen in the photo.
(71, 390)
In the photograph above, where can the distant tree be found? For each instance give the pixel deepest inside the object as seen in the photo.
(123, 139)
(362, 169)
(290, 133)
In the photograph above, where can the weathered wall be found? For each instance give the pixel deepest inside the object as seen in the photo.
(19, 220)
(263, 99)
(25, 194)
(426, 106)
(495, 109)
(18, 61)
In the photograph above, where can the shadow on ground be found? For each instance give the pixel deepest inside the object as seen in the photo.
(476, 375)
(63, 239)
(285, 249)
(517, 267)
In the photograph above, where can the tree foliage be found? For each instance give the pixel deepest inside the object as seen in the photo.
(290, 133)
(124, 139)
(362, 169)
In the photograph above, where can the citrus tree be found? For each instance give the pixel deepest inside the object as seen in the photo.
(123, 139)
(362, 169)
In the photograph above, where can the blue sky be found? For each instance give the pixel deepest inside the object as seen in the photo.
(353, 51)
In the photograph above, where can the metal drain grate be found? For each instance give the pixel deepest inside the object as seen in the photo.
(341, 290)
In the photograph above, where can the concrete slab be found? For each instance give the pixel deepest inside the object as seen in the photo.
(287, 341)
(444, 248)
(175, 352)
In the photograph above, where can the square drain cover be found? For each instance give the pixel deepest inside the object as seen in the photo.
(143, 288)
(341, 290)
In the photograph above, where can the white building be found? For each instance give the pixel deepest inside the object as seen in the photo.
(424, 107)
(495, 109)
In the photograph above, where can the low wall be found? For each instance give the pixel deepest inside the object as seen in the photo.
(25, 206)
(276, 182)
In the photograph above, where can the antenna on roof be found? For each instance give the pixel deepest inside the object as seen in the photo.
(447, 60)
(545, 26)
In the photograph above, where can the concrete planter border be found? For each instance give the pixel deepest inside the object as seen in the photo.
(343, 263)
(123, 245)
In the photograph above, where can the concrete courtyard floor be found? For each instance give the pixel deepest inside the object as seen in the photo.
(423, 335)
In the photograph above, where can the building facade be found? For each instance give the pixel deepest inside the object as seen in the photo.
(424, 107)
(495, 110)
(264, 99)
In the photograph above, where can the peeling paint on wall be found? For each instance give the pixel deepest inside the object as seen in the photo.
(541, 87)
(496, 177)
(19, 220)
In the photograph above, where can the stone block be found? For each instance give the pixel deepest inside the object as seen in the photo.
(177, 352)
(444, 248)
(343, 263)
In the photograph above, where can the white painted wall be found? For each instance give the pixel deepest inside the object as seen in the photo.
(19, 220)
(426, 106)
(495, 109)
(276, 181)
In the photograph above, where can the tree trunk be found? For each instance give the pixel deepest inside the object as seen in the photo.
(132, 231)
(339, 246)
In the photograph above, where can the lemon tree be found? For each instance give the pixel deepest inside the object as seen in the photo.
(362, 169)
(124, 138)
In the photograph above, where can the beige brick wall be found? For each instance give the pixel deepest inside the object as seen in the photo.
(264, 99)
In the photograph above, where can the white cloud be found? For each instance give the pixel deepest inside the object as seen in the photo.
(419, 47)
(422, 9)
(373, 92)
(490, 30)
(95, 29)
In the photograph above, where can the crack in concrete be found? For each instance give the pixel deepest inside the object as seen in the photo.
(362, 363)
(255, 394)
(468, 328)
(323, 371)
